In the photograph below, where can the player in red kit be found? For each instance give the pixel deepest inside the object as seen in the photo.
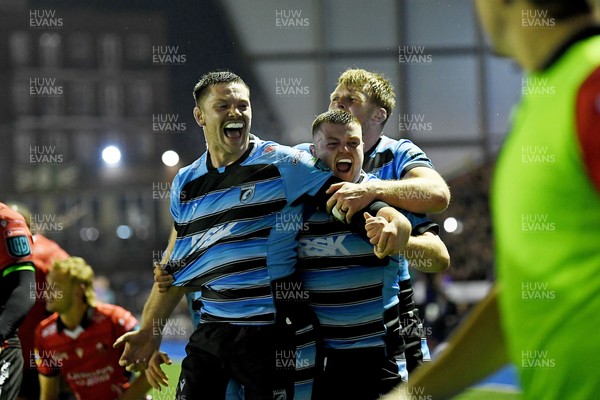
(16, 280)
(45, 252)
(76, 341)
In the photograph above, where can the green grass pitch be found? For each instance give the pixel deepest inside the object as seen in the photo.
(173, 370)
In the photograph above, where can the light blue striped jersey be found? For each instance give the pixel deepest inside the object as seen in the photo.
(392, 159)
(237, 225)
(349, 287)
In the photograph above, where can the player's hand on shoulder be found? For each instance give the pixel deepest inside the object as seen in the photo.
(349, 197)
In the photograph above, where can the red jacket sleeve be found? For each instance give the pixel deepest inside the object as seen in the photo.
(588, 125)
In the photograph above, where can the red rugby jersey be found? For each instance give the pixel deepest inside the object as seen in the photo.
(84, 356)
(45, 252)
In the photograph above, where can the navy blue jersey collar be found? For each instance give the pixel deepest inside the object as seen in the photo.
(211, 168)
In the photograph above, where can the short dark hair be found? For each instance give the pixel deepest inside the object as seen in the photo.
(337, 117)
(563, 9)
(214, 78)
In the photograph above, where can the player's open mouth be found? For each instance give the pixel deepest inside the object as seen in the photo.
(233, 130)
(343, 165)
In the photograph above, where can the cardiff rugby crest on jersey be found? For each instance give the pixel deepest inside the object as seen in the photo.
(247, 193)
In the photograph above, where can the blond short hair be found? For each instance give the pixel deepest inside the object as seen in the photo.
(376, 86)
(80, 272)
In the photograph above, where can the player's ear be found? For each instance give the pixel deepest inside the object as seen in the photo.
(380, 115)
(198, 116)
(313, 150)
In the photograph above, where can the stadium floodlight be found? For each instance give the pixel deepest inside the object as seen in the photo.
(124, 232)
(451, 225)
(111, 155)
(89, 234)
(170, 158)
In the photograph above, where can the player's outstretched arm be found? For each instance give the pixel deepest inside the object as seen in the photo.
(388, 231)
(475, 350)
(139, 346)
(427, 253)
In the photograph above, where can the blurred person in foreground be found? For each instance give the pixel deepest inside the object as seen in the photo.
(544, 310)
(76, 341)
(45, 252)
(17, 279)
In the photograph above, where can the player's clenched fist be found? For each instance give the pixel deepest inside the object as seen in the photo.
(388, 232)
